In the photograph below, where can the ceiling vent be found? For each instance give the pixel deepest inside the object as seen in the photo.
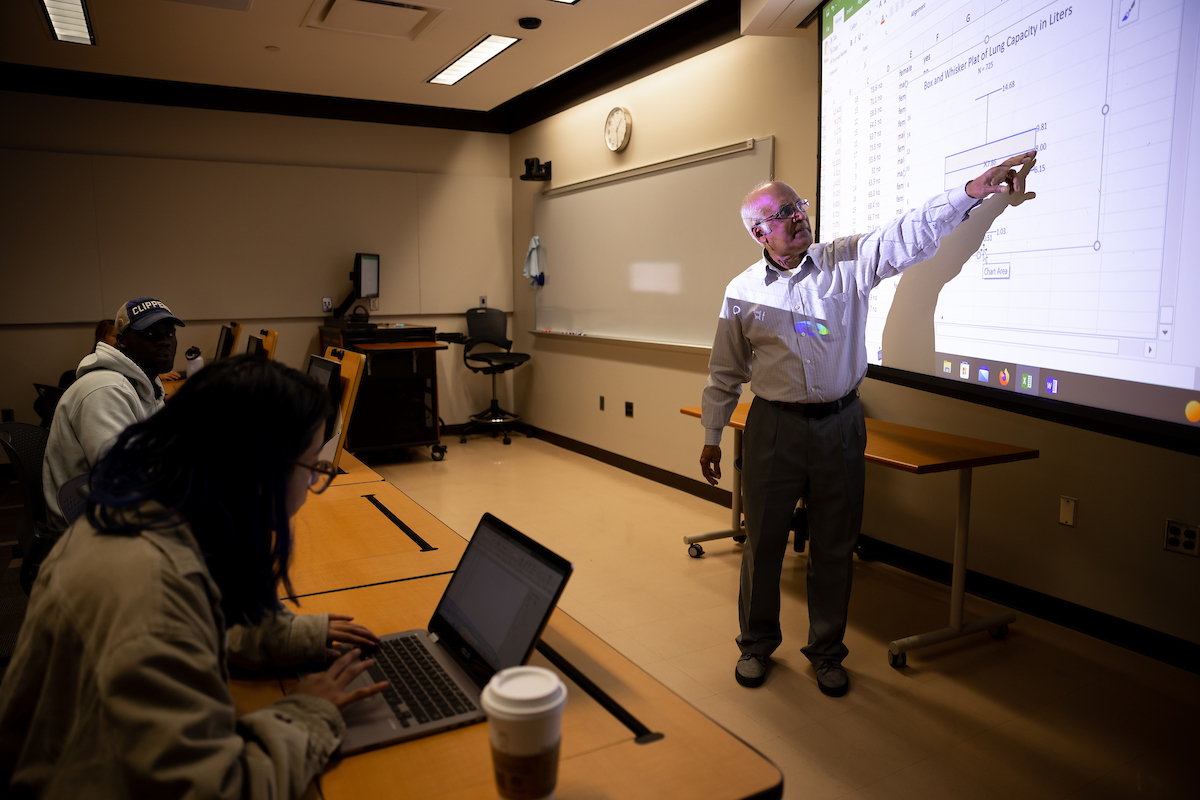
(776, 17)
(384, 18)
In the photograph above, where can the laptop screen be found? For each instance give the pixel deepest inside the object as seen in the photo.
(501, 595)
(328, 373)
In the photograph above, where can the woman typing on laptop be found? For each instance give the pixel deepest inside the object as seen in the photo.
(119, 685)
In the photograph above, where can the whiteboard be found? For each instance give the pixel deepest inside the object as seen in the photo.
(647, 258)
(234, 240)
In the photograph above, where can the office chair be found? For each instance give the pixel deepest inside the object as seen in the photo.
(47, 402)
(489, 326)
(72, 497)
(25, 446)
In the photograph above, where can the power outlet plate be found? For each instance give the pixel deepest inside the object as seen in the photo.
(1066, 510)
(1182, 537)
(374, 303)
(483, 301)
(327, 304)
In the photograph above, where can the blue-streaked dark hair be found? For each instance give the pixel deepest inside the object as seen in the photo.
(219, 455)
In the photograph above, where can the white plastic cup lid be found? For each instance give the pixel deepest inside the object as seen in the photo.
(525, 691)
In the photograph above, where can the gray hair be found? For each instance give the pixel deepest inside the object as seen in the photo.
(749, 210)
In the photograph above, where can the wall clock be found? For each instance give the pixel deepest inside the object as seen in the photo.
(617, 128)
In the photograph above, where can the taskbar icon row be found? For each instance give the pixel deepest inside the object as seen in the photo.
(998, 375)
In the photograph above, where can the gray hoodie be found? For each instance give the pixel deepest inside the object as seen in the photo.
(111, 393)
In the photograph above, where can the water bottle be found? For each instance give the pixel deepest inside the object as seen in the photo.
(195, 362)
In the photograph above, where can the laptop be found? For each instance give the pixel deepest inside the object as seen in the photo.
(490, 617)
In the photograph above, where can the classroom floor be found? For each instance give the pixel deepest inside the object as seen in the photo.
(1045, 713)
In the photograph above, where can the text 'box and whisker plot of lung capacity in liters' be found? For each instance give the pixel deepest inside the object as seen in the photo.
(1091, 291)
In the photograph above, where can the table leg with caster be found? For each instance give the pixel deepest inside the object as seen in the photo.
(737, 529)
(996, 625)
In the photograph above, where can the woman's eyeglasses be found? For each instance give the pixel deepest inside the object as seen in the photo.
(321, 474)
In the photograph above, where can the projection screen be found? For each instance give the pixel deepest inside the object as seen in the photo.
(1082, 304)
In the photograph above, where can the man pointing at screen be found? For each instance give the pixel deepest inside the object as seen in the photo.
(794, 325)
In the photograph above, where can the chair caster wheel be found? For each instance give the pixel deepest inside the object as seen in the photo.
(897, 661)
(462, 439)
(438, 452)
(739, 539)
(507, 439)
(695, 550)
(998, 632)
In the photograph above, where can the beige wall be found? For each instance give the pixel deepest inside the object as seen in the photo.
(69, 125)
(1112, 561)
(38, 353)
(704, 102)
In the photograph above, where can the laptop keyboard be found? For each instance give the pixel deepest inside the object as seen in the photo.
(418, 688)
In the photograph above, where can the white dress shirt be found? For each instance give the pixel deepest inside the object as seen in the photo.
(799, 335)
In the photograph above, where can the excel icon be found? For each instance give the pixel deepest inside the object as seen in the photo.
(1026, 380)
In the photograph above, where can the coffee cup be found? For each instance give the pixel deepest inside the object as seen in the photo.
(524, 708)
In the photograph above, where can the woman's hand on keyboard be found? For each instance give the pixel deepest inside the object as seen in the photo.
(346, 633)
(331, 684)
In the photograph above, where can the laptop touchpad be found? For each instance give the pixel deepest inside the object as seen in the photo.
(369, 710)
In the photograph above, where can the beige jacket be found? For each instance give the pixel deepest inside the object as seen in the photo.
(119, 686)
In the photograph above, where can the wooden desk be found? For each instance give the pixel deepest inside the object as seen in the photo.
(600, 759)
(254, 695)
(918, 451)
(389, 347)
(344, 336)
(339, 539)
(354, 535)
(354, 471)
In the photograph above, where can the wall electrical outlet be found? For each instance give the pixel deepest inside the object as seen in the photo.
(374, 304)
(1182, 537)
(1066, 510)
(629, 409)
(601, 402)
(327, 304)
(483, 301)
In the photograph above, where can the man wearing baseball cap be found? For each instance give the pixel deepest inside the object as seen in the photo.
(116, 386)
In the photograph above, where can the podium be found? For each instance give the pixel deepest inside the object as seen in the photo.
(397, 403)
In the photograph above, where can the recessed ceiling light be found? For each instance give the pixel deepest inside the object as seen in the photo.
(485, 50)
(69, 21)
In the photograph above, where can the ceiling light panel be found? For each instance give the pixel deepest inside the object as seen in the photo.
(487, 49)
(69, 21)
